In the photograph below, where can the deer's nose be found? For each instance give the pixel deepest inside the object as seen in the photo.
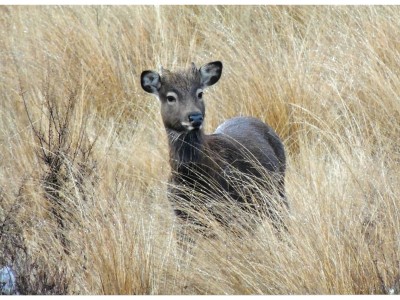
(196, 119)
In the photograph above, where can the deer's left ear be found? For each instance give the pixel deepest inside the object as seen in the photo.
(210, 73)
(150, 82)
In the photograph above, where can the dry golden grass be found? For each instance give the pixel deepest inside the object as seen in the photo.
(83, 205)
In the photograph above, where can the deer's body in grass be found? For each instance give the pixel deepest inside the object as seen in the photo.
(213, 166)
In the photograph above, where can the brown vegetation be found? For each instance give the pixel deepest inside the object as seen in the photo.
(84, 155)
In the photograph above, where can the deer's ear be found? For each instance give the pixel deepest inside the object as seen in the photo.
(210, 73)
(150, 82)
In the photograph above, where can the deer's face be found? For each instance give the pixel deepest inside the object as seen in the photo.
(181, 94)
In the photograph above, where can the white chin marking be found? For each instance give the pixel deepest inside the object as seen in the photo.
(189, 127)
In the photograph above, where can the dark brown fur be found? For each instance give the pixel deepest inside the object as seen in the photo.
(241, 151)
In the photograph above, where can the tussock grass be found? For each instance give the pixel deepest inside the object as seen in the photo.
(84, 158)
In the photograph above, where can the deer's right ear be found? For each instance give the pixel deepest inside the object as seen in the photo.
(150, 82)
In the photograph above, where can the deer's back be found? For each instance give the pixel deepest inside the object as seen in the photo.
(248, 139)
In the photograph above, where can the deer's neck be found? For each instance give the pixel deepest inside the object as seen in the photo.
(185, 148)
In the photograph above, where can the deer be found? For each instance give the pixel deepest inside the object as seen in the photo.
(211, 166)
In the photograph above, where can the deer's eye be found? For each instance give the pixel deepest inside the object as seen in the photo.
(171, 97)
(199, 94)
